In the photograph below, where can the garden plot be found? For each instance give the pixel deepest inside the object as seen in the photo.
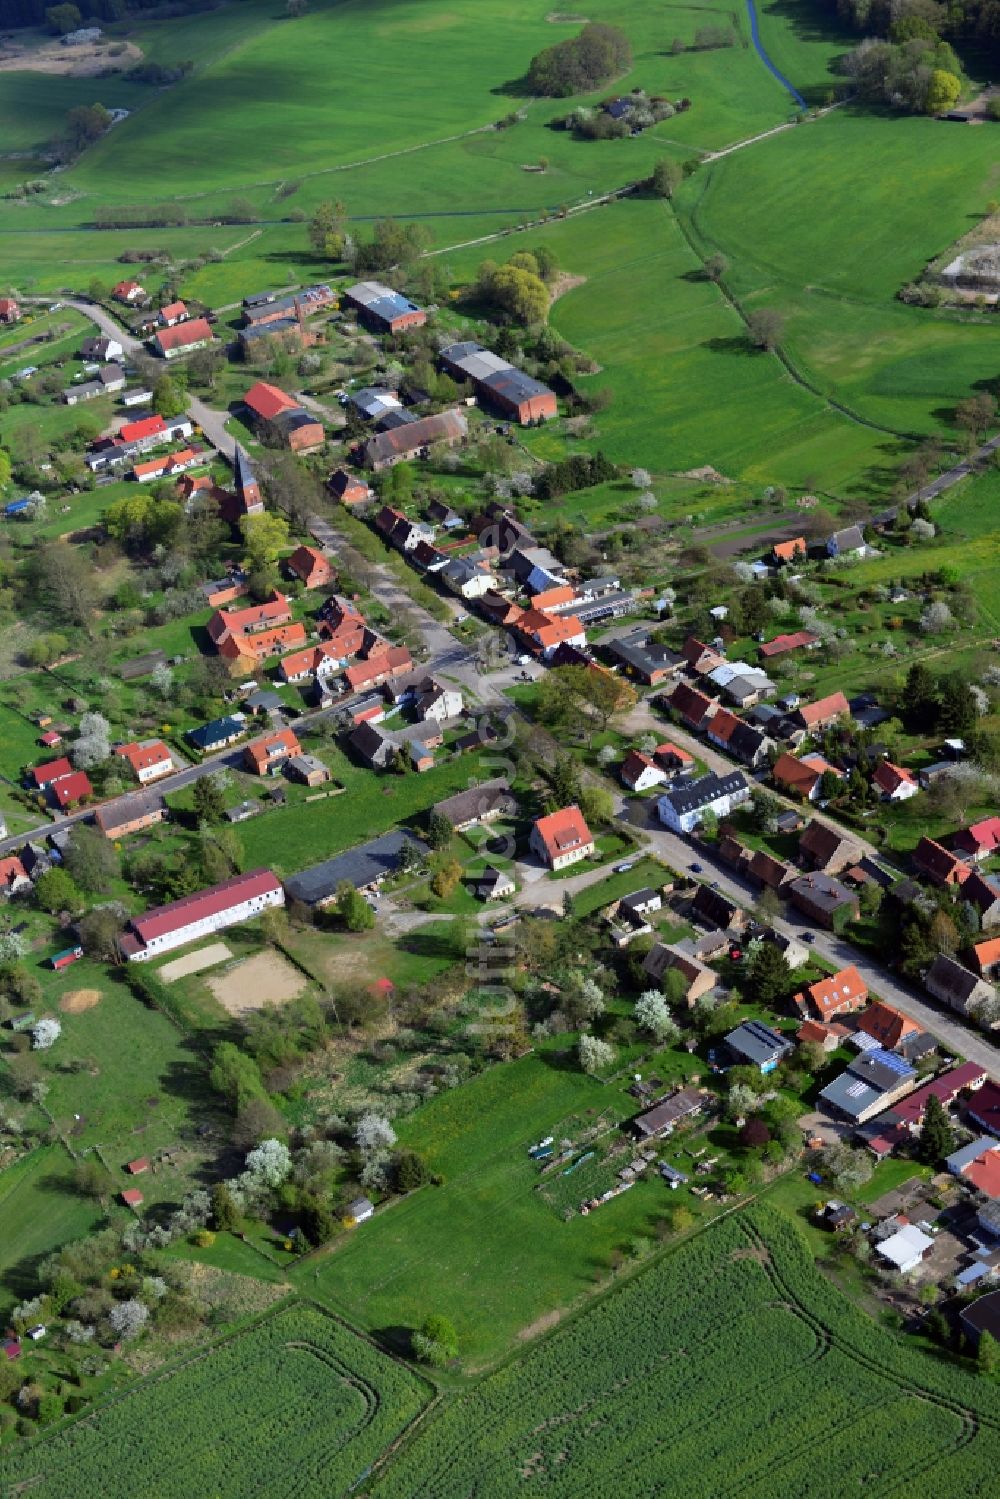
(266, 978)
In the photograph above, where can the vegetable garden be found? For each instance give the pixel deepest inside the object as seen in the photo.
(297, 1405)
(730, 1367)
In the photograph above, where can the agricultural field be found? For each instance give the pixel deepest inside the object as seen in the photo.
(297, 1403)
(677, 1375)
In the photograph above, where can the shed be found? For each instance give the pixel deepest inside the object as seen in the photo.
(132, 1197)
(361, 1209)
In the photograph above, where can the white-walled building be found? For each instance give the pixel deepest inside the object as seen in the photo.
(165, 927)
(685, 806)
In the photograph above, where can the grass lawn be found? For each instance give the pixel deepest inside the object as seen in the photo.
(308, 832)
(40, 1211)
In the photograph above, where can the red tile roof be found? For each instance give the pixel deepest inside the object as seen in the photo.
(786, 551)
(274, 611)
(263, 752)
(11, 871)
(889, 777)
(824, 708)
(132, 1197)
(138, 1166)
(167, 463)
(309, 563)
(196, 331)
(162, 920)
(795, 775)
(551, 598)
(147, 426)
(838, 995)
(887, 1025)
(692, 705)
(173, 310)
(987, 953)
(782, 643)
(146, 755)
(72, 788)
(635, 764)
(44, 775)
(267, 401)
(670, 752)
(387, 663)
(563, 831)
(984, 1174)
(981, 837)
(939, 863)
(724, 725)
(51, 739)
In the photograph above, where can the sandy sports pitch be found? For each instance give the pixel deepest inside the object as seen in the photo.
(267, 978)
(78, 1000)
(194, 962)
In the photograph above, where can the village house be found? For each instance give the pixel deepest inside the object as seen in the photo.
(151, 432)
(823, 714)
(844, 543)
(841, 994)
(628, 918)
(664, 1117)
(380, 667)
(642, 658)
(130, 292)
(562, 838)
(173, 312)
(981, 840)
(101, 348)
(167, 464)
(666, 957)
(894, 783)
(767, 870)
(743, 685)
(307, 770)
(686, 805)
(217, 734)
(985, 957)
(267, 755)
(148, 759)
(244, 637)
(887, 1025)
(794, 550)
(13, 876)
(701, 659)
(238, 899)
(872, 1083)
(182, 338)
(978, 1164)
(693, 707)
(955, 985)
(673, 759)
(717, 910)
(485, 803)
(280, 421)
(493, 884)
(640, 773)
(823, 848)
(825, 900)
(382, 309)
(434, 700)
(466, 578)
(130, 814)
(938, 864)
(348, 488)
(799, 777)
(410, 441)
(814, 1033)
(10, 312)
(543, 633)
(983, 892)
(310, 566)
(908, 1247)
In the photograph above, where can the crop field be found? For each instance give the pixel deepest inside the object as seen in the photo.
(675, 1379)
(297, 1405)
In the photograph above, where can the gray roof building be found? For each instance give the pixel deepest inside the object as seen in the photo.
(362, 867)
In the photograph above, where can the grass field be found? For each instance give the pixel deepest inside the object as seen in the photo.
(297, 1403)
(40, 1211)
(485, 1248)
(674, 1379)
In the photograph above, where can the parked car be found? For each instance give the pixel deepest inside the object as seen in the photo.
(695, 868)
(624, 868)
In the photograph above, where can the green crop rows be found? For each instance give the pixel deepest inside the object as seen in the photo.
(729, 1368)
(297, 1405)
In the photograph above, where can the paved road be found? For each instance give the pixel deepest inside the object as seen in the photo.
(642, 720)
(680, 854)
